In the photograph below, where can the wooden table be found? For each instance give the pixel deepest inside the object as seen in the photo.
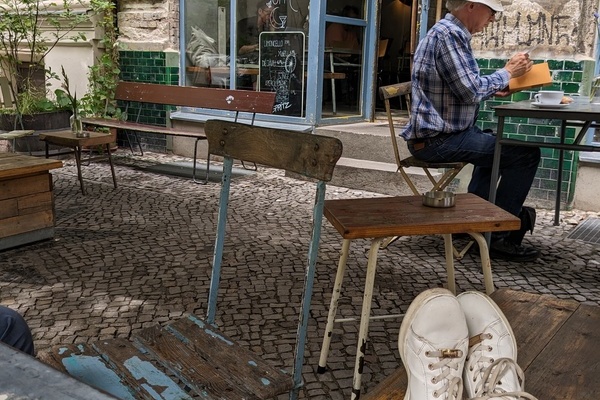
(582, 115)
(382, 217)
(24, 377)
(26, 199)
(68, 139)
(557, 343)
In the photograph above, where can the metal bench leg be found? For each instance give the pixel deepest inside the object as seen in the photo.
(337, 290)
(194, 168)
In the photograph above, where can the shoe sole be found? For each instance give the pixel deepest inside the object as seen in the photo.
(416, 304)
(492, 303)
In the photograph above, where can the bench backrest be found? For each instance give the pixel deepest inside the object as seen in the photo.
(189, 96)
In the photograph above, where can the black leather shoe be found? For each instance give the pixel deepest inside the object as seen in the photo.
(504, 249)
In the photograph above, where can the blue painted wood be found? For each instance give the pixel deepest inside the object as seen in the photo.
(138, 371)
(219, 241)
(81, 362)
(308, 288)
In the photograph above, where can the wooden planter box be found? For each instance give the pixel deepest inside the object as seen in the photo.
(26, 199)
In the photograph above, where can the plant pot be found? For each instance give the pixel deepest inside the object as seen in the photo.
(38, 122)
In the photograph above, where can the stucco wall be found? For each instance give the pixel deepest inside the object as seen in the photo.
(148, 25)
(560, 30)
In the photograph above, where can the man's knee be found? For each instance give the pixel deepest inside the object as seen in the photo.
(14, 331)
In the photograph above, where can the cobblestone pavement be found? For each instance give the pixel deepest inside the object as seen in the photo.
(124, 259)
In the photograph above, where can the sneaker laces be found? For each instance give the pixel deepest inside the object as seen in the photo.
(488, 373)
(448, 360)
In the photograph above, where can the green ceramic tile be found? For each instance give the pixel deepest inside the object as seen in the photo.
(556, 65)
(562, 76)
(497, 63)
(573, 66)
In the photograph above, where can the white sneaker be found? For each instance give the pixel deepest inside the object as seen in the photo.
(433, 344)
(491, 370)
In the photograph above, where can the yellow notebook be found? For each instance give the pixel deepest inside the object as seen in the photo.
(539, 75)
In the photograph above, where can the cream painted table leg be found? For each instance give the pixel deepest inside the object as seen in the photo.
(486, 265)
(364, 317)
(449, 250)
(337, 289)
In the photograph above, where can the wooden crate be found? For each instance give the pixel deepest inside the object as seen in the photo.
(26, 200)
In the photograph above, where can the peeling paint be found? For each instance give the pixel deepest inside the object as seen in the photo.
(154, 379)
(93, 371)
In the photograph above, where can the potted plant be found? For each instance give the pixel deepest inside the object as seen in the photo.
(30, 29)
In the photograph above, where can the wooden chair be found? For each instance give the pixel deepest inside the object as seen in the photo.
(400, 90)
(7, 102)
(450, 170)
(309, 155)
(207, 362)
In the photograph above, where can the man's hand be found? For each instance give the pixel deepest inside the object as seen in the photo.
(518, 65)
(504, 92)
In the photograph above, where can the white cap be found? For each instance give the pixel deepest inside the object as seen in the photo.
(495, 5)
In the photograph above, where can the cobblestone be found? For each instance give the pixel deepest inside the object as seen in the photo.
(124, 259)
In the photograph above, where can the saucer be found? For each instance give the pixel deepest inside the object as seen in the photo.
(540, 105)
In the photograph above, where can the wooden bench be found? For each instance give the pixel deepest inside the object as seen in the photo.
(557, 342)
(235, 101)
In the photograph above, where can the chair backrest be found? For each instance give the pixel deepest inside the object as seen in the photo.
(382, 47)
(392, 91)
(7, 98)
(310, 155)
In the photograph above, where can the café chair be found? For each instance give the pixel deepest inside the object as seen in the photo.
(449, 170)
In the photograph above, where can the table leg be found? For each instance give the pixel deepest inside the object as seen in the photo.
(449, 262)
(112, 167)
(486, 265)
(47, 150)
(561, 158)
(337, 289)
(78, 162)
(364, 318)
(495, 168)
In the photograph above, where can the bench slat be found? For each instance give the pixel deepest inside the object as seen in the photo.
(209, 362)
(188, 96)
(133, 126)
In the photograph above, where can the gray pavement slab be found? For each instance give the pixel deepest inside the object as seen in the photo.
(124, 259)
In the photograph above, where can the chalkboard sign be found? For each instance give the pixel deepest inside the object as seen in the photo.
(281, 70)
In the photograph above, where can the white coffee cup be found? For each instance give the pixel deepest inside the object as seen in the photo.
(549, 96)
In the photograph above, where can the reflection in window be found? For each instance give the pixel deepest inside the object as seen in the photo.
(207, 37)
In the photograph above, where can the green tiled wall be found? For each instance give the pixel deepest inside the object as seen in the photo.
(149, 67)
(567, 76)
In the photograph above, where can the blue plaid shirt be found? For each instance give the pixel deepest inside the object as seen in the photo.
(446, 85)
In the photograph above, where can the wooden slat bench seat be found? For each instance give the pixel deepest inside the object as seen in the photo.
(557, 342)
(183, 360)
(236, 101)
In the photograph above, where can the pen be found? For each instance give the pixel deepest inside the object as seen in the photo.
(531, 50)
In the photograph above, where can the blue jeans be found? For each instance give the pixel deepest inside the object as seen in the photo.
(518, 165)
(14, 331)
